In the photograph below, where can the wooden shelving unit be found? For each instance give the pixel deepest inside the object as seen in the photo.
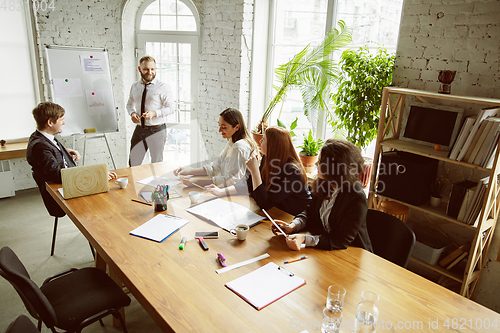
(391, 115)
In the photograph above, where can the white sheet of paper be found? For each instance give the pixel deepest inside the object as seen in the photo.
(159, 227)
(67, 87)
(93, 65)
(225, 214)
(157, 180)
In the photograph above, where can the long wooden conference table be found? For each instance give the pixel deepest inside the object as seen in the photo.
(182, 292)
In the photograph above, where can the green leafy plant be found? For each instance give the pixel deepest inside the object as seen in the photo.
(359, 95)
(293, 125)
(311, 147)
(313, 70)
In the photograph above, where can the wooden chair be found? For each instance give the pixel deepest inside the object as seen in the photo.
(70, 300)
(395, 208)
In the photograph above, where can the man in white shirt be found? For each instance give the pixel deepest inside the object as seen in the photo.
(150, 102)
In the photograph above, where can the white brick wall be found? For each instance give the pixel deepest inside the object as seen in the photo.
(461, 35)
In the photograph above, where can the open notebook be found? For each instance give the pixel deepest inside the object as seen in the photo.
(159, 227)
(265, 285)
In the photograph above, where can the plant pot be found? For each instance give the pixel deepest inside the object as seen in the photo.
(436, 201)
(308, 162)
(365, 175)
(257, 137)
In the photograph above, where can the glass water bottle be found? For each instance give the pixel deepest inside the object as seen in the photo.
(366, 313)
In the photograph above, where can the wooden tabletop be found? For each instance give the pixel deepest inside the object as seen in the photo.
(182, 292)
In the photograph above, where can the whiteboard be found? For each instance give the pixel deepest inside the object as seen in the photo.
(80, 81)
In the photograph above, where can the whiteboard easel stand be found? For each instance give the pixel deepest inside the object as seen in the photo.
(100, 136)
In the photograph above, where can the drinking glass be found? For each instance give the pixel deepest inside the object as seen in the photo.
(332, 321)
(335, 298)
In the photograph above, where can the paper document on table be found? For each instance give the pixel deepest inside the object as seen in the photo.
(265, 285)
(158, 180)
(159, 227)
(225, 214)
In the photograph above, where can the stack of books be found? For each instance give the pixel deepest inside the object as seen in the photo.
(477, 141)
(466, 200)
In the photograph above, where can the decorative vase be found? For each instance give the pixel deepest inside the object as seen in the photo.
(308, 162)
(365, 174)
(446, 78)
(435, 201)
(257, 137)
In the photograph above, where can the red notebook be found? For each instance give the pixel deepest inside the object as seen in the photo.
(265, 285)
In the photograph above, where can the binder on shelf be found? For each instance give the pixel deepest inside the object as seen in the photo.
(483, 114)
(462, 136)
(457, 195)
(468, 202)
(265, 285)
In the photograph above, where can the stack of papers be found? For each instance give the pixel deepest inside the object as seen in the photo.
(159, 227)
(225, 214)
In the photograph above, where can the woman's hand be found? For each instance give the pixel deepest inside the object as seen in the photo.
(215, 190)
(287, 228)
(253, 165)
(182, 171)
(296, 242)
(186, 181)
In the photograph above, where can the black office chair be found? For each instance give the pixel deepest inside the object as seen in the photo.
(22, 324)
(391, 238)
(70, 300)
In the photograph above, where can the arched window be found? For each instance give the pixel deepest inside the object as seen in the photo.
(168, 30)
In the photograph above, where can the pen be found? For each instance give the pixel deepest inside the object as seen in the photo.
(221, 259)
(198, 185)
(183, 242)
(294, 260)
(121, 176)
(203, 244)
(142, 202)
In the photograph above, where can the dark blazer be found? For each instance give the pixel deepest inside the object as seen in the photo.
(287, 192)
(46, 161)
(347, 220)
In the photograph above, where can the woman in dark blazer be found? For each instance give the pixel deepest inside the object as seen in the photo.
(280, 180)
(336, 216)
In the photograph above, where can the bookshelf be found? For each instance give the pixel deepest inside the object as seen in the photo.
(391, 115)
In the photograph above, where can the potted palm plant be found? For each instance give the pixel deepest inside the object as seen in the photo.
(309, 151)
(313, 70)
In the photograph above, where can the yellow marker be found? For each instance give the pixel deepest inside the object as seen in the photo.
(89, 130)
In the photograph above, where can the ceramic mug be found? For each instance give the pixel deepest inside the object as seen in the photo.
(194, 196)
(240, 231)
(122, 182)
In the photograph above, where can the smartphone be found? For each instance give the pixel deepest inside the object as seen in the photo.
(206, 234)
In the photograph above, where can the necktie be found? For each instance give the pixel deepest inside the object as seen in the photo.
(68, 161)
(143, 101)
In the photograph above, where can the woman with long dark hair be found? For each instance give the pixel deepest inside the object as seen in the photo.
(336, 216)
(280, 181)
(229, 167)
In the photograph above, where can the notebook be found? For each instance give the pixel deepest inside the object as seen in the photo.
(159, 227)
(265, 285)
(84, 180)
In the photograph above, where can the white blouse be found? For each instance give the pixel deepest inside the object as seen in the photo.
(229, 168)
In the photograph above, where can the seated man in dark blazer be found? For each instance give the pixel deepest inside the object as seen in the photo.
(46, 155)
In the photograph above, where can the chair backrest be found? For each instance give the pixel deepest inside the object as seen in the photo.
(391, 238)
(13, 270)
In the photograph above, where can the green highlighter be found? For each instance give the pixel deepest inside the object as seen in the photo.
(183, 242)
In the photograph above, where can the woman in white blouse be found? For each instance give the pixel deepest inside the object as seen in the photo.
(229, 167)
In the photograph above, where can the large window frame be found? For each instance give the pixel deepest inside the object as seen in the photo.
(175, 36)
(260, 97)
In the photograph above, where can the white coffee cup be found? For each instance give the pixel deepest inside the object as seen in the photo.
(194, 196)
(240, 231)
(122, 182)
